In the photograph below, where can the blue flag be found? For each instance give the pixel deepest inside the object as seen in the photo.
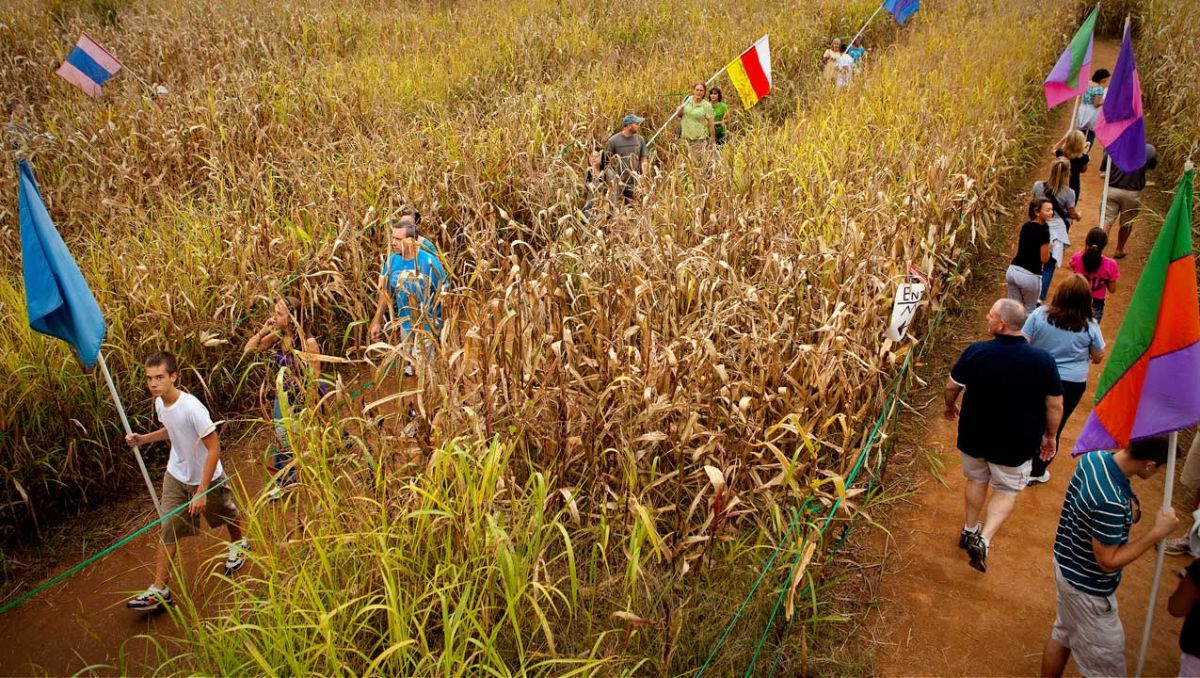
(57, 297)
(902, 9)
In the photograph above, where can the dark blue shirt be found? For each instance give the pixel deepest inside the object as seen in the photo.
(1004, 407)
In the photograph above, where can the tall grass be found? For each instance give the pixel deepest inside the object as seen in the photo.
(1167, 33)
(623, 412)
(291, 129)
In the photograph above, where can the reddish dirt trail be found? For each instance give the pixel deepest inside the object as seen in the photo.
(82, 622)
(944, 618)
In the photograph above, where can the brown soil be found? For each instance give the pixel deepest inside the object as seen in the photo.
(81, 624)
(941, 617)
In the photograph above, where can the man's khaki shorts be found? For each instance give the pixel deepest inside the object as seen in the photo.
(1121, 203)
(1090, 626)
(1010, 479)
(220, 509)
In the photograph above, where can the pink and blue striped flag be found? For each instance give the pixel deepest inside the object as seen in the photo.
(89, 66)
(901, 10)
(1070, 75)
(1121, 127)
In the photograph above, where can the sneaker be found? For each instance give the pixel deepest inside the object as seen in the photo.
(151, 600)
(237, 556)
(1178, 547)
(977, 551)
(964, 537)
(1038, 480)
(1119, 255)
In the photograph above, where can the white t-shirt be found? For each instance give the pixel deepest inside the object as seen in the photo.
(845, 69)
(187, 421)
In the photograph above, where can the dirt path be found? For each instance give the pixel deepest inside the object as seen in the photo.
(944, 618)
(81, 624)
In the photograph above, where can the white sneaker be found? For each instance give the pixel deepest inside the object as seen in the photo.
(237, 556)
(1038, 480)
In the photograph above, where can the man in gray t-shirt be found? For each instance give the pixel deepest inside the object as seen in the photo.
(629, 158)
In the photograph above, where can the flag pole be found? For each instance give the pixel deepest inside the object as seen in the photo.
(864, 26)
(1104, 198)
(1168, 491)
(125, 422)
(707, 84)
(1074, 114)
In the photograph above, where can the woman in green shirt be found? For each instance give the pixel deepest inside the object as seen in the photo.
(721, 115)
(697, 127)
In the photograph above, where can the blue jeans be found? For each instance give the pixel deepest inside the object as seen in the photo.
(1047, 274)
(283, 454)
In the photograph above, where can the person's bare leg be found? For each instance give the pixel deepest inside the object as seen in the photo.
(162, 565)
(1123, 235)
(976, 497)
(235, 529)
(998, 508)
(1054, 659)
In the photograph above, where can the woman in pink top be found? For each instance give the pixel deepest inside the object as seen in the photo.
(1101, 272)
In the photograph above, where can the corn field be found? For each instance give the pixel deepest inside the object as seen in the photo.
(620, 412)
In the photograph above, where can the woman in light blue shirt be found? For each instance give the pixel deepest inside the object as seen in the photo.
(1066, 330)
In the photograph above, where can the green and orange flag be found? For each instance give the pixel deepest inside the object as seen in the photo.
(1151, 384)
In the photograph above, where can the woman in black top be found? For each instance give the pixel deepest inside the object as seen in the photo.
(1024, 275)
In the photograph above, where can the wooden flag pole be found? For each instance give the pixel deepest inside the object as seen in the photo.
(1074, 114)
(707, 84)
(1168, 491)
(125, 422)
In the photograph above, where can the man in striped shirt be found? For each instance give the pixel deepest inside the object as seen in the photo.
(1091, 547)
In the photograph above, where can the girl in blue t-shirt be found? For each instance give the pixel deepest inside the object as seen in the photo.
(1066, 330)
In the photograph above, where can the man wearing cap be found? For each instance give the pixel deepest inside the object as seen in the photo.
(630, 159)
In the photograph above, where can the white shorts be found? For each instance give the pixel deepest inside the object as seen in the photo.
(1091, 628)
(1010, 479)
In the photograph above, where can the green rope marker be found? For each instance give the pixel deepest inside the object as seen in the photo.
(883, 417)
(67, 574)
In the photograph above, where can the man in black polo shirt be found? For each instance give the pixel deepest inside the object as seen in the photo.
(1011, 410)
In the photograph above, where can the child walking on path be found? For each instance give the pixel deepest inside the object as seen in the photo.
(286, 333)
(1101, 271)
(193, 468)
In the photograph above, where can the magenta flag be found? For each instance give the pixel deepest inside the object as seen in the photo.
(1121, 127)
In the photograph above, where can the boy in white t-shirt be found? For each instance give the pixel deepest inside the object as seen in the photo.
(194, 466)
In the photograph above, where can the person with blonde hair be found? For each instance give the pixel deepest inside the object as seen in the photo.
(829, 60)
(1074, 148)
(697, 126)
(1056, 188)
(1065, 329)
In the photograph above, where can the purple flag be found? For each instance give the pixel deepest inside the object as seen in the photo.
(1121, 127)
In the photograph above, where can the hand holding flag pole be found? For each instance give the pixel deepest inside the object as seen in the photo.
(57, 298)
